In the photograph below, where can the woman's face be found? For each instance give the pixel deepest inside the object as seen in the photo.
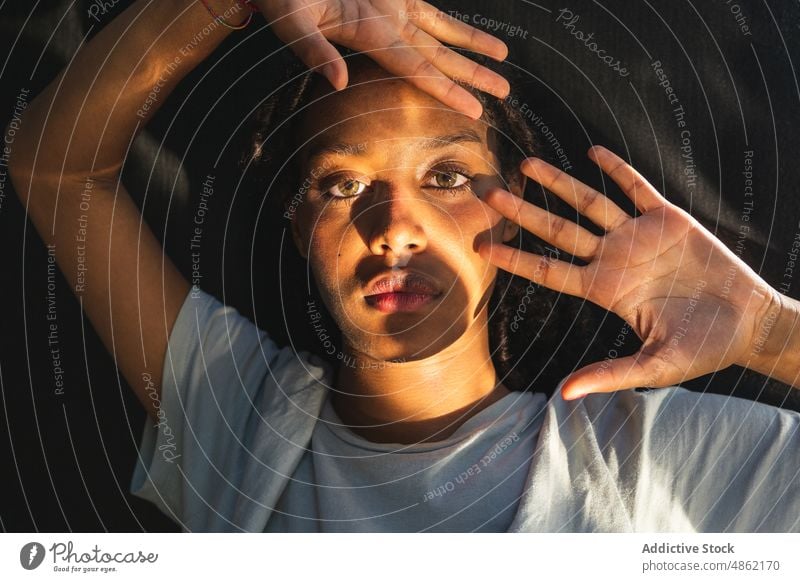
(395, 180)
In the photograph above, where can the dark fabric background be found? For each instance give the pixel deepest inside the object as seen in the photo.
(68, 458)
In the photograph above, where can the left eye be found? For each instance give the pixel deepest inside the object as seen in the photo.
(449, 179)
(348, 188)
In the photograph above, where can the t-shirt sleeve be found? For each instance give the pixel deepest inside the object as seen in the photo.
(235, 415)
(663, 460)
(701, 462)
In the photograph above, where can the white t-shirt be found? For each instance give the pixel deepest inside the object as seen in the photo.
(247, 441)
(469, 482)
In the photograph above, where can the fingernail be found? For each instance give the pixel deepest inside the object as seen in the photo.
(476, 110)
(574, 394)
(530, 162)
(506, 90)
(503, 53)
(492, 192)
(329, 72)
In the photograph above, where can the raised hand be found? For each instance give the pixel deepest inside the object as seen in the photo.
(697, 307)
(403, 36)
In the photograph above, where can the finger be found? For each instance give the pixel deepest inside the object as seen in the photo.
(311, 47)
(588, 201)
(552, 273)
(639, 190)
(556, 230)
(406, 62)
(638, 370)
(453, 31)
(459, 67)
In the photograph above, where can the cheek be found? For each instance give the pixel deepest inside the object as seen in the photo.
(471, 225)
(491, 219)
(325, 231)
(332, 242)
(482, 223)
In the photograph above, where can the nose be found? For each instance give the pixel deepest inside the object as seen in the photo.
(397, 231)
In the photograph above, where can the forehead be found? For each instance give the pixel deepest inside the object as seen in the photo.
(379, 112)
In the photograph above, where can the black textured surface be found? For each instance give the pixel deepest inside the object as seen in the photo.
(69, 457)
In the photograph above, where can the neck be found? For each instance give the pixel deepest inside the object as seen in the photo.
(419, 401)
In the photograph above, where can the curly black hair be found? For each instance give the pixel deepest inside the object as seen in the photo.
(527, 322)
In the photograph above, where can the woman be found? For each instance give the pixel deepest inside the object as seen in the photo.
(402, 215)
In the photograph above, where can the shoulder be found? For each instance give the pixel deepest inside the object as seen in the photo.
(235, 416)
(666, 410)
(212, 338)
(671, 459)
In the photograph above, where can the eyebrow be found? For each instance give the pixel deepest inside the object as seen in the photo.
(430, 143)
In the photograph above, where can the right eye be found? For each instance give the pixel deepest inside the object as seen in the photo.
(345, 189)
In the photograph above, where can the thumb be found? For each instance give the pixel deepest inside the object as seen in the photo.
(638, 370)
(311, 47)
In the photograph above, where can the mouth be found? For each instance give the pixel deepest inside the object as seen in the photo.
(401, 292)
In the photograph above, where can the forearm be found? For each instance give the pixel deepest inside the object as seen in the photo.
(65, 162)
(83, 122)
(776, 348)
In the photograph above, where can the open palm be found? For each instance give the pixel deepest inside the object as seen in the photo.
(405, 37)
(692, 301)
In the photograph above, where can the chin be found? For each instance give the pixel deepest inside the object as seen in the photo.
(396, 353)
(407, 337)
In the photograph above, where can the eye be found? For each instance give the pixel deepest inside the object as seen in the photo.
(450, 177)
(345, 188)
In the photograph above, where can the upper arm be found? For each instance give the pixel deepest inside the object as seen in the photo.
(129, 289)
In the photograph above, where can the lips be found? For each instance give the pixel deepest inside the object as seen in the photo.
(407, 282)
(401, 291)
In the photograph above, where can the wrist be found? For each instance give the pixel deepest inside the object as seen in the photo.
(775, 348)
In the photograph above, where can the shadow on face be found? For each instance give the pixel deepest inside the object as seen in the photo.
(395, 185)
